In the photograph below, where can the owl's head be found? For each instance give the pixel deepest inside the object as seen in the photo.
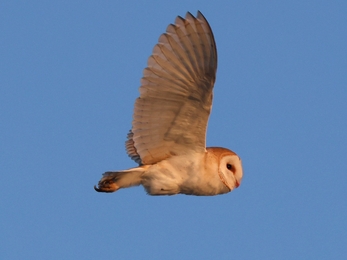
(229, 166)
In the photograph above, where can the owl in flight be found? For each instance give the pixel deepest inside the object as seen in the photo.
(168, 135)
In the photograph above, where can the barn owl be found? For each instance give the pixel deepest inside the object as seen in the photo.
(168, 135)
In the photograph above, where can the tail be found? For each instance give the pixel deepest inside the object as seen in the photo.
(113, 181)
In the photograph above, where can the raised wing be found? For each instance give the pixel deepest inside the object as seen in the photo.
(171, 114)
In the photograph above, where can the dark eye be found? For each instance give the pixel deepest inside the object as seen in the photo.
(229, 167)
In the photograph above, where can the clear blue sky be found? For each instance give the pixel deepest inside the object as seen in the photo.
(69, 75)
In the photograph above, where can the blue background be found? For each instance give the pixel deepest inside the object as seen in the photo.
(69, 76)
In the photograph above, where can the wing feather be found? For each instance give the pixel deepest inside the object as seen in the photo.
(171, 114)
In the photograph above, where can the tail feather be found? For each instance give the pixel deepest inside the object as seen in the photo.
(113, 181)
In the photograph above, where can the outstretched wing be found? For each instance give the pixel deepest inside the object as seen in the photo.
(171, 114)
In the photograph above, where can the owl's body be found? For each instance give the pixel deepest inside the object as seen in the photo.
(168, 132)
(191, 174)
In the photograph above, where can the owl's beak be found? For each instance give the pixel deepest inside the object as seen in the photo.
(237, 184)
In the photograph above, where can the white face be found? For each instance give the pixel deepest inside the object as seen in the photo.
(230, 167)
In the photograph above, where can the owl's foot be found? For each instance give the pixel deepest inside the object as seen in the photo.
(107, 185)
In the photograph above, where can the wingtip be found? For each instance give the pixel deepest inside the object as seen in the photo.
(189, 15)
(200, 16)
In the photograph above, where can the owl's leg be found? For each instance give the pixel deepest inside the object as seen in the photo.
(113, 181)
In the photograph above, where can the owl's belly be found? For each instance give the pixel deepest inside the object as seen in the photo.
(185, 175)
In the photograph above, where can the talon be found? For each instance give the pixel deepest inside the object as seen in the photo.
(97, 189)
